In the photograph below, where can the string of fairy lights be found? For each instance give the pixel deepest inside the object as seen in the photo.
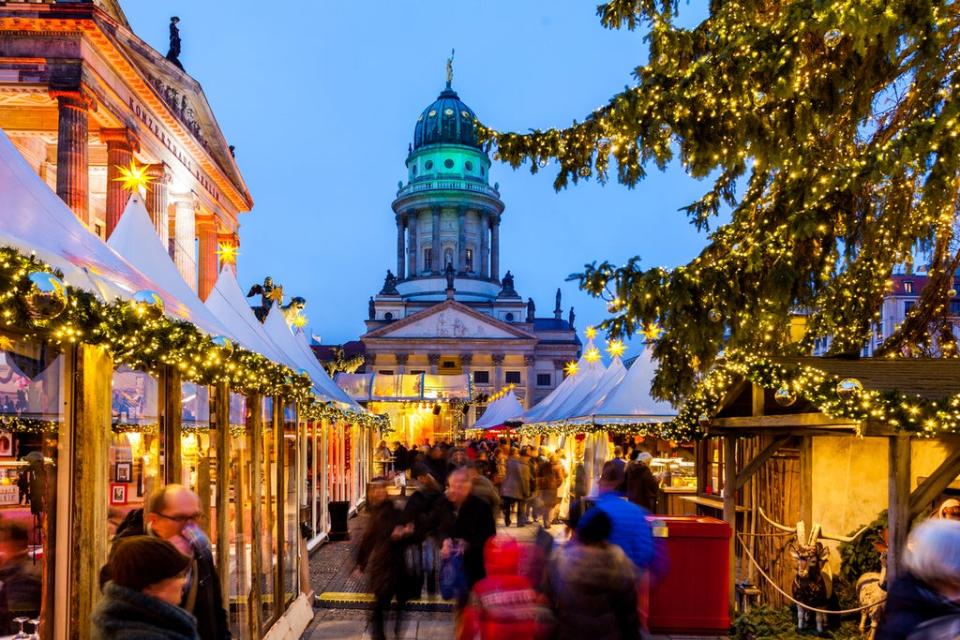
(830, 132)
(35, 303)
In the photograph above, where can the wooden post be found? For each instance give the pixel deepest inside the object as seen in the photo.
(898, 512)
(89, 488)
(255, 445)
(221, 409)
(730, 507)
(279, 516)
(172, 411)
(806, 479)
(757, 400)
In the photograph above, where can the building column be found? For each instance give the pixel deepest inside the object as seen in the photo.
(73, 171)
(157, 201)
(402, 359)
(528, 362)
(558, 368)
(462, 239)
(495, 247)
(466, 359)
(437, 258)
(208, 271)
(121, 145)
(412, 244)
(498, 371)
(484, 240)
(401, 221)
(434, 360)
(233, 240)
(185, 235)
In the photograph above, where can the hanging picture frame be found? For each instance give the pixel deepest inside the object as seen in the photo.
(118, 493)
(6, 443)
(122, 472)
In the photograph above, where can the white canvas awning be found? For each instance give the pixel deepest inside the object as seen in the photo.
(586, 380)
(609, 381)
(228, 304)
(135, 239)
(33, 219)
(500, 411)
(535, 413)
(630, 402)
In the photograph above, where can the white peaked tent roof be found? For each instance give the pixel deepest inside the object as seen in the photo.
(227, 302)
(586, 381)
(559, 394)
(505, 409)
(630, 401)
(135, 239)
(279, 333)
(609, 381)
(34, 219)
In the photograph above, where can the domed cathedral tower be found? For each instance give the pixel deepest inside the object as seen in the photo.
(447, 213)
(449, 308)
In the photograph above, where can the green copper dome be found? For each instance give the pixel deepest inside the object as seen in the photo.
(446, 121)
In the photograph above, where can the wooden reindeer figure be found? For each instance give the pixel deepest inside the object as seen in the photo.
(870, 591)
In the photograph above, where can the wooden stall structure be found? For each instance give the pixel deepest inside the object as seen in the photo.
(775, 449)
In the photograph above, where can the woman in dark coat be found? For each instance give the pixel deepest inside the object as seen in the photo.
(516, 487)
(930, 588)
(141, 598)
(380, 557)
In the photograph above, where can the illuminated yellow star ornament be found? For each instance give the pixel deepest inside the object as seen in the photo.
(572, 368)
(616, 348)
(590, 332)
(227, 253)
(133, 178)
(592, 355)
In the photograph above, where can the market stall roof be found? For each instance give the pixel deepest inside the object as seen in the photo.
(408, 387)
(559, 394)
(587, 379)
(227, 302)
(630, 402)
(135, 239)
(33, 219)
(276, 328)
(610, 380)
(500, 411)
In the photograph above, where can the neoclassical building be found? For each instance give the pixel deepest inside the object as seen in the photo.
(450, 309)
(81, 96)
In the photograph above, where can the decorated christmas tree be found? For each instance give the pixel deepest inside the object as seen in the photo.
(828, 128)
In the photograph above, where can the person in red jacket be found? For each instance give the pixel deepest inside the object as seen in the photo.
(504, 605)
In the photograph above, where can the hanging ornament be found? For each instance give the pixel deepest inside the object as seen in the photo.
(704, 420)
(224, 344)
(785, 396)
(496, 156)
(585, 171)
(694, 362)
(952, 293)
(714, 315)
(721, 356)
(832, 38)
(543, 162)
(652, 331)
(848, 387)
(46, 296)
(148, 303)
(760, 98)
(603, 147)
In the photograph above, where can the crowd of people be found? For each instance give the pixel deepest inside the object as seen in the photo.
(443, 537)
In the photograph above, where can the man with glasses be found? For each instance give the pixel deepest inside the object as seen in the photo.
(173, 515)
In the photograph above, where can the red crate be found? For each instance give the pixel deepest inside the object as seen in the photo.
(693, 596)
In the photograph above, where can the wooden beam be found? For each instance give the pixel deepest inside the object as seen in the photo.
(730, 508)
(89, 488)
(898, 510)
(935, 483)
(754, 465)
(756, 400)
(806, 479)
(783, 421)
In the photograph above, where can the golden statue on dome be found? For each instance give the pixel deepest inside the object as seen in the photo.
(450, 68)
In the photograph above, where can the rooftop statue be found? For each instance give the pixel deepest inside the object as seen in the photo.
(531, 310)
(293, 312)
(389, 285)
(371, 309)
(450, 68)
(571, 317)
(173, 55)
(506, 285)
(449, 273)
(269, 293)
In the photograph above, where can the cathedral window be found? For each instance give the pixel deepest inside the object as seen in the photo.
(447, 257)
(428, 165)
(509, 317)
(388, 315)
(543, 379)
(468, 165)
(448, 163)
(428, 259)
(469, 260)
(513, 377)
(481, 377)
(385, 372)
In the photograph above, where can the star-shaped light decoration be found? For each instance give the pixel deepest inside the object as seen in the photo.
(227, 252)
(571, 368)
(652, 331)
(592, 355)
(616, 348)
(590, 332)
(299, 321)
(6, 343)
(276, 295)
(134, 178)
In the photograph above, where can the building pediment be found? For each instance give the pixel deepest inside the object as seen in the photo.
(449, 320)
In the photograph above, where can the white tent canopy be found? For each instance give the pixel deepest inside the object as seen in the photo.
(135, 239)
(630, 401)
(34, 220)
(609, 381)
(227, 302)
(504, 409)
(275, 326)
(535, 413)
(584, 382)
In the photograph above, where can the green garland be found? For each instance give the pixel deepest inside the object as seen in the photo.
(148, 341)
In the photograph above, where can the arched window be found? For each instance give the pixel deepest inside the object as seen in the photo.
(447, 257)
(428, 259)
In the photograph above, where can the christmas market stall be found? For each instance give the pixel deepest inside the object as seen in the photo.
(502, 414)
(808, 451)
(115, 380)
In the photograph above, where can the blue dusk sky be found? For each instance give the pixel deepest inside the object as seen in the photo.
(320, 99)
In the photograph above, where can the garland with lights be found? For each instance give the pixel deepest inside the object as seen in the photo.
(838, 124)
(142, 337)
